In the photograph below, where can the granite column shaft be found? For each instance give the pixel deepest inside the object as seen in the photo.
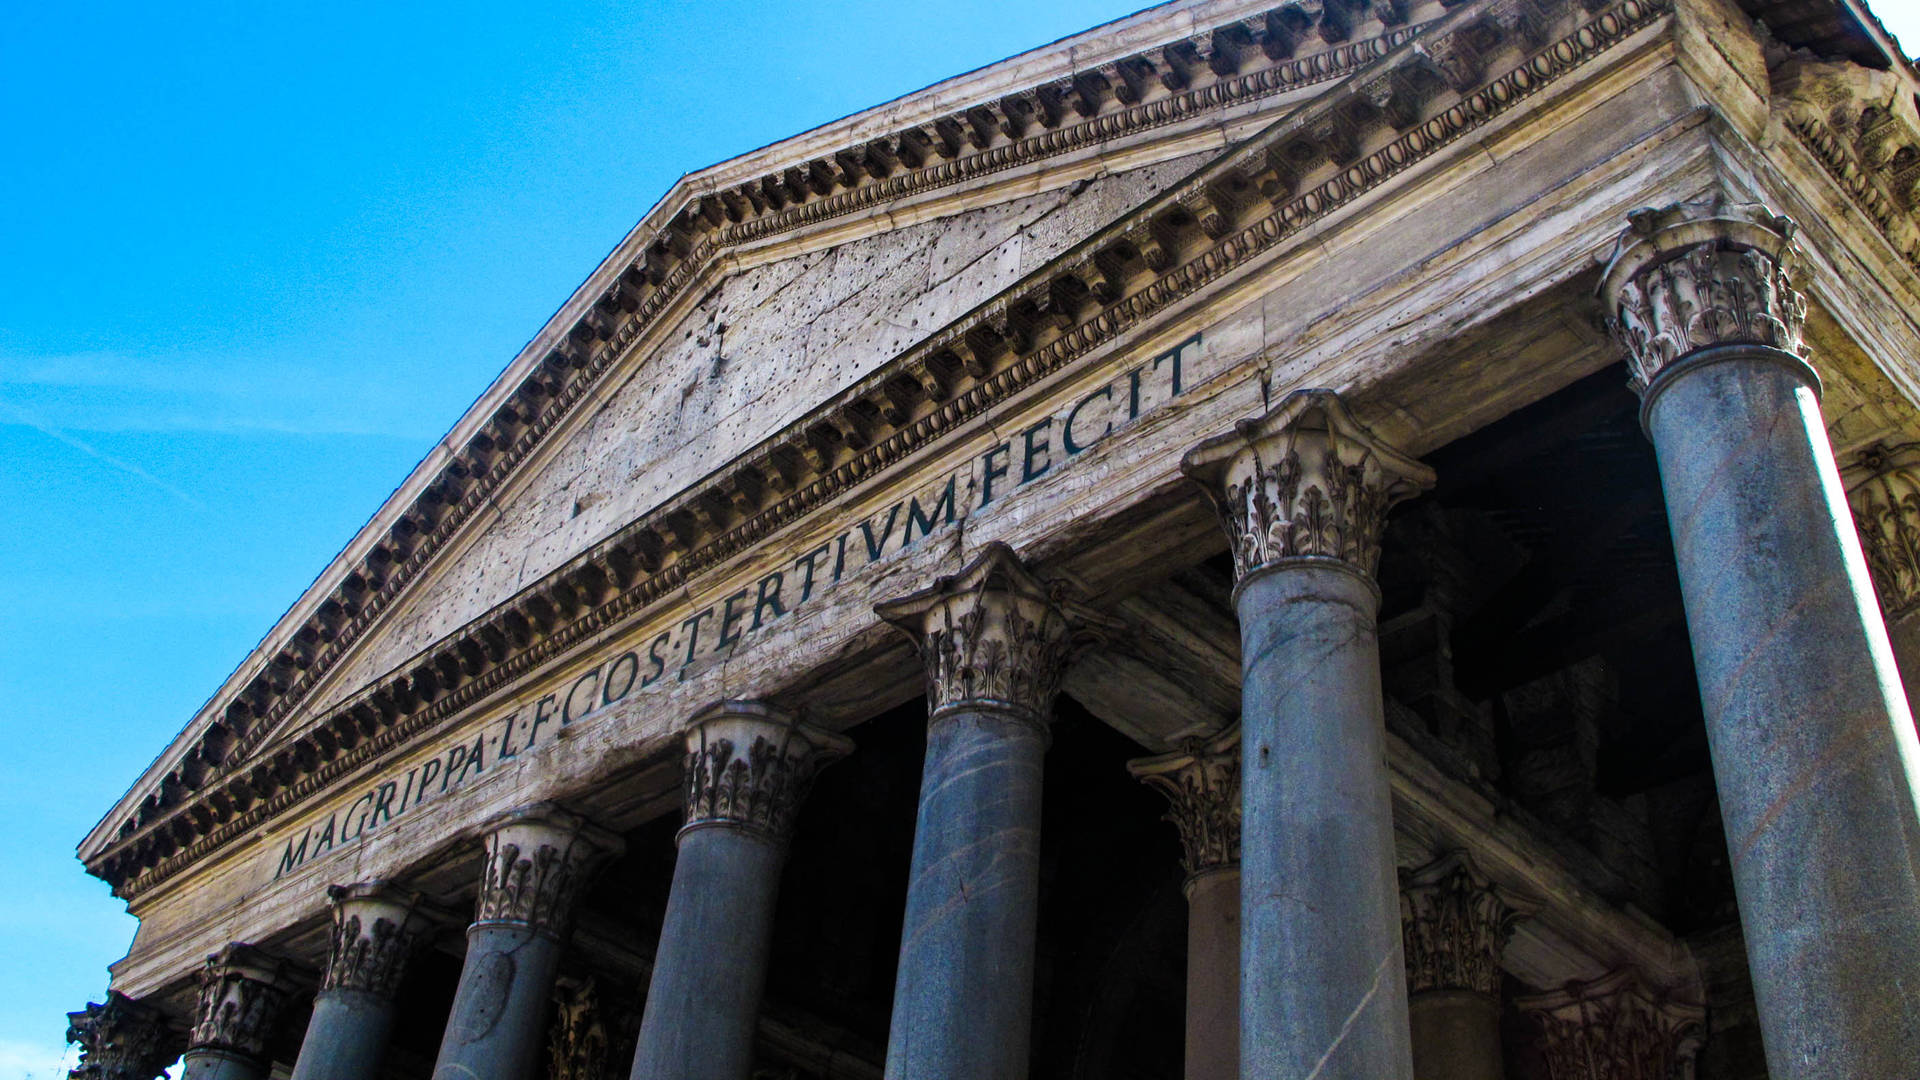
(1202, 784)
(536, 864)
(1811, 739)
(376, 929)
(748, 768)
(1304, 493)
(994, 639)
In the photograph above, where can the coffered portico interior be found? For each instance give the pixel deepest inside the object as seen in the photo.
(1248, 542)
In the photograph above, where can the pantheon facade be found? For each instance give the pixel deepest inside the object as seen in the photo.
(1339, 540)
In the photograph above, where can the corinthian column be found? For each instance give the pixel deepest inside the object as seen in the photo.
(376, 928)
(995, 640)
(242, 994)
(538, 861)
(1883, 487)
(121, 1039)
(1203, 786)
(1809, 730)
(1454, 924)
(1304, 493)
(749, 765)
(1616, 1028)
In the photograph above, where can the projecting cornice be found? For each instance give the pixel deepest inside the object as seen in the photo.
(1464, 71)
(1244, 54)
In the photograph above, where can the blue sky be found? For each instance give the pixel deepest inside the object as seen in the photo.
(256, 259)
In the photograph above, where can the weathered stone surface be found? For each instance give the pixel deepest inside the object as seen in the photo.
(376, 930)
(243, 993)
(1811, 738)
(121, 1039)
(1303, 494)
(537, 862)
(748, 768)
(994, 640)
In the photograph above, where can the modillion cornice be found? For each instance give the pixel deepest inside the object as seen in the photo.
(1406, 91)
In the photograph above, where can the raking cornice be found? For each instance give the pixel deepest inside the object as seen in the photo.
(1344, 144)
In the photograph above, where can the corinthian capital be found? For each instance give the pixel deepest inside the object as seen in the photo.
(1455, 924)
(1202, 783)
(1691, 276)
(993, 636)
(1306, 480)
(749, 765)
(242, 993)
(1615, 1028)
(1883, 488)
(121, 1039)
(376, 929)
(537, 862)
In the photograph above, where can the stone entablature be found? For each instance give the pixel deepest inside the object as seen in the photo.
(1240, 62)
(1863, 126)
(1323, 157)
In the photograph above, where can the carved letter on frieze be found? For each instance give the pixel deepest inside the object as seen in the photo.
(1616, 1028)
(242, 993)
(1455, 924)
(1202, 784)
(537, 861)
(749, 766)
(994, 636)
(1691, 276)
(121, 1039)
(1883, 488)
(1305, 481)
(376, 929)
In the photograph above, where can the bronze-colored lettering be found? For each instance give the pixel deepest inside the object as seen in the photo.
(925, 519)
(659, 663)
(729, 633)
(567, 715)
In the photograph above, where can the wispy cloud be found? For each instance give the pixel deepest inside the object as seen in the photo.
(230, 395)
(24, 417)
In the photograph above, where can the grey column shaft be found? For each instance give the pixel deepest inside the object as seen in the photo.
(347, 1036)
(1456, 1035)
(1213, 976)
(1810, 734)
(962, 1002)
(1323, 991)
(220, 1065)
(498, 1022)
(704, 999)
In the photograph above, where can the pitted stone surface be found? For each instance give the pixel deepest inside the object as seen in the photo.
(767, 345)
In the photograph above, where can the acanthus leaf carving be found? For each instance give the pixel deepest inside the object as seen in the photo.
(1306, 480)
(376, 930)
(1616, 1028)
(121, 1039)
(537, 861)
(1202, 786)
(1883, 489)
(1454, 925)
(1695, 275)
(994, 636)
(750, 765)
(577, 1044)
(243, 992)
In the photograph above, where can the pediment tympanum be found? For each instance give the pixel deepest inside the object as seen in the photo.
(1375, 101)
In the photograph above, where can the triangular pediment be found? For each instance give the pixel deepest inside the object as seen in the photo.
(767, 342)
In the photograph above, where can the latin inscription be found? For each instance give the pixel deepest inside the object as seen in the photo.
(717, 630)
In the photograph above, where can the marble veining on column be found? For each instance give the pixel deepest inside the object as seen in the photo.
(1303, 493)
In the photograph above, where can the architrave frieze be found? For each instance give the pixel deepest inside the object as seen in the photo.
(1863, 127)
(1224, 67)
(1247, 206)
